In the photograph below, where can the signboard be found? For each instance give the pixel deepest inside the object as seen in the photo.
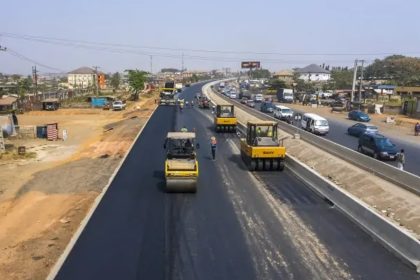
(250, 64)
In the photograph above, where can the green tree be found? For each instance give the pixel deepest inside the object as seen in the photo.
(136, 80)
(116, 80)
(277, 84)
(342, 79)
(260, 74)
(397, 69)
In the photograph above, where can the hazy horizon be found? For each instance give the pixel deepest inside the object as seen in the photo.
(208, 35)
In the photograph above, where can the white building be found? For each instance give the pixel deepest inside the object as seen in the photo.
(81, 78)
(313, 73)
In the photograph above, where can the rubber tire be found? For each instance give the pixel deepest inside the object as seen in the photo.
(281, 165)
(252, 165)
(275, 164)
(260, 164)
(360, 149)
(267, 164)
(375, 156)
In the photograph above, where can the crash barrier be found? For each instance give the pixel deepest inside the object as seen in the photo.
(394, 238)
(408, 181)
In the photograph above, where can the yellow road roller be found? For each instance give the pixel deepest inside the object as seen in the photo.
(261, 149)
(225, 120)
(181, 165)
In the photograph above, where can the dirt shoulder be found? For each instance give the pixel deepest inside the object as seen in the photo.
(44, 199)
(396, 204)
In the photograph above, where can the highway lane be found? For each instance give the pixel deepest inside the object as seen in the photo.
(338, 134)
(235, 227)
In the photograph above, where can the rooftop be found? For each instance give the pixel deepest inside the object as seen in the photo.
(8, 100)
(312, 68)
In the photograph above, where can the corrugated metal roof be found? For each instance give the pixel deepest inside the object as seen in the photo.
(313, 68)
(83, 70)
(8, 100)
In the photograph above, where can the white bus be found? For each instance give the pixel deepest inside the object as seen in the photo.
(315, 124)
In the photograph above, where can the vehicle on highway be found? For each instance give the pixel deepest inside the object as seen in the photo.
(233, 95)
(282, 112)
(203, 102)
(378, 146)
(118, 105)
(167, 94)
(250, 103)
(225, 120)
(187, 85)
(244, 100)
(258, 97)
(261, 149)
(361, 128)
(358, 116)
(181, 165)
(267, 107)
(285, 95)
(178, 87)
(315, 124)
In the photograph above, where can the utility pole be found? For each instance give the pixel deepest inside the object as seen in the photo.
(361, 80)
(151, 64)
(96, 80)
(354, 81)
(182, 63)
(35, 79)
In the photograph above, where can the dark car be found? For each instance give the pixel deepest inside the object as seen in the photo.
(377, 146)
(244, 100)
(361, 128)
(358, 116)
(267, 107)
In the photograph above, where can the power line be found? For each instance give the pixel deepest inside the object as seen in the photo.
(22, 57)
(86, 43)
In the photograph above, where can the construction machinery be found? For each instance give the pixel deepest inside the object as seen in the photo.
(167, 94)
(181, 165)
(225, 120)
(203, 102)
(261, 149)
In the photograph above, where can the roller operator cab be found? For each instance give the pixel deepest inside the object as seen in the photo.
(225, 120)
(181, 165)
(261, 149)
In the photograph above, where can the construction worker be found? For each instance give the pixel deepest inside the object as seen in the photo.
(401, 160)
(213, 144)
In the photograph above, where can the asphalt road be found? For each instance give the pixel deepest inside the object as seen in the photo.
(338, 134)
(237, 226)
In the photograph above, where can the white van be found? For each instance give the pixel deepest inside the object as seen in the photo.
(282, 112)
(315, 124)
(258, 97)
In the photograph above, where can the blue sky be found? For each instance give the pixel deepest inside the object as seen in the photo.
(292, 31)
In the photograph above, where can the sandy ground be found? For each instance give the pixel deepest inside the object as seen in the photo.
(396, 204)
(43, 200)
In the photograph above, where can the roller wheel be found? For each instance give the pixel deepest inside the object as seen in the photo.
(260, 164)
(252, 165)
(267, 164)
(275, 164)
(281, 165)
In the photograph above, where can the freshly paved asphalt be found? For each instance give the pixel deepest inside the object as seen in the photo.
(236, 226)
(338, 134)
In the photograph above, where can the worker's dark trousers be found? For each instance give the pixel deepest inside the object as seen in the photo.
(213, 152)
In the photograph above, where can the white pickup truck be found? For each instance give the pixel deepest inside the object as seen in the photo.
(118, 105)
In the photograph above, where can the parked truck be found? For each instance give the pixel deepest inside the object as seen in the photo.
(285, 95)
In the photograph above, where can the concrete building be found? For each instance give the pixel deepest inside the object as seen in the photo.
(313, 73)
(85, 77)
(284, 75)
(8, 104)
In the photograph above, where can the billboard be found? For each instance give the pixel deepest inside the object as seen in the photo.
(250, 64)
